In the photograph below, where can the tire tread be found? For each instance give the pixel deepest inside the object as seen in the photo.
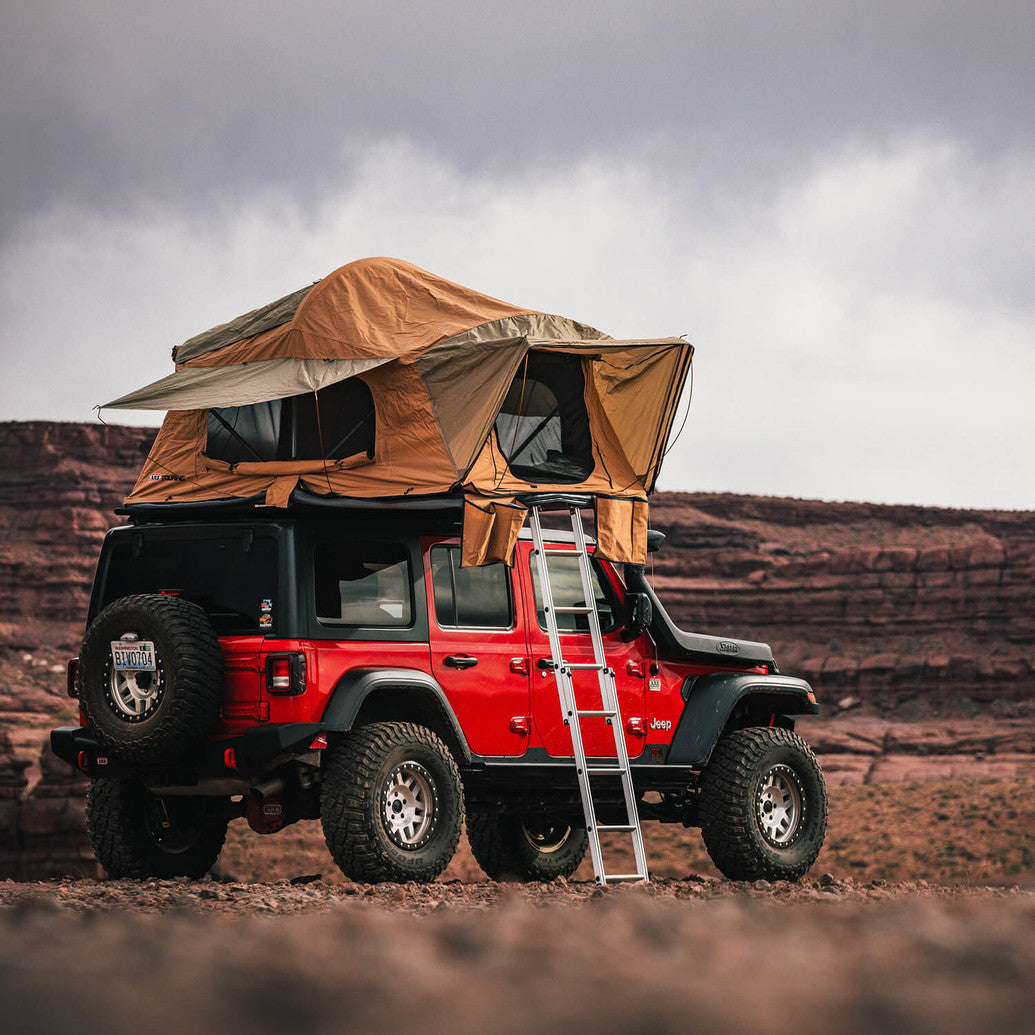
(726, 808)
(348, 805)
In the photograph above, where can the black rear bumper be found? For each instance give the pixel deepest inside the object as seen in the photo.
(242, 756)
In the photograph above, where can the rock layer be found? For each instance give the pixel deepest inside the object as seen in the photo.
(885, 604)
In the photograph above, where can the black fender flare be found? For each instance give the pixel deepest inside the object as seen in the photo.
(356, 685)
(710, 701)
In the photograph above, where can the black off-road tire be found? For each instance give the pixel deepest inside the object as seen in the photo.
(187, 690)
(371, 771)
(751, 772)
(138, 835)
(523, 848)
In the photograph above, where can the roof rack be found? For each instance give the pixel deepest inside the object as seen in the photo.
(301, 501)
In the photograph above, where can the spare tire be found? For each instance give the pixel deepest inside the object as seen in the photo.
(151, 714)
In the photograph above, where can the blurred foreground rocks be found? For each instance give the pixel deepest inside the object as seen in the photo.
(668, 958)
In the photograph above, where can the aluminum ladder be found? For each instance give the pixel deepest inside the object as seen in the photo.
(573, 715)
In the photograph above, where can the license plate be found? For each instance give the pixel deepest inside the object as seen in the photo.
(133, 657)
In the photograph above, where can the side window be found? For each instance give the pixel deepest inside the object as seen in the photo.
(363, 583)
(566, 586)
(474, 598)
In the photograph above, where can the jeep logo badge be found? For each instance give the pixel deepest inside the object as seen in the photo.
(725, 647)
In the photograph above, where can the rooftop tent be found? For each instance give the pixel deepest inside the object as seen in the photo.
(383, 381)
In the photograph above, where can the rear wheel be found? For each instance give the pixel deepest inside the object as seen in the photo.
(138, 834)
(763, 805)
(525, 848)
(391, 803)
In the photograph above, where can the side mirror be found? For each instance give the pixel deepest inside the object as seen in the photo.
(639, 613)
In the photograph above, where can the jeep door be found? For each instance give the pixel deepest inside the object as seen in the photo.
(625, 658)
(478, 651)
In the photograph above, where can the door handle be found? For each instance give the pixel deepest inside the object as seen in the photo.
(460, 661)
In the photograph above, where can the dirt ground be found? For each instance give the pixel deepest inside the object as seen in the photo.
(943, 831)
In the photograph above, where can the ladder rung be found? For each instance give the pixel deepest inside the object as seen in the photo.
(608, 877)
(595, 713)
(574, 610)
(587, 667)
(627, 828)
(609, 770)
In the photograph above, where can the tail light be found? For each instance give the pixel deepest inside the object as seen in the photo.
(70, 677)
(285, 674)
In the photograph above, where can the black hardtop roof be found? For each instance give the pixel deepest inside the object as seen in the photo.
(375, 523)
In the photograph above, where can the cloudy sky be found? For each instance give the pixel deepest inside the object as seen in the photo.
(834, 202)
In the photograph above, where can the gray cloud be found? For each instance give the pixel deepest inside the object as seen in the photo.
(195, 102)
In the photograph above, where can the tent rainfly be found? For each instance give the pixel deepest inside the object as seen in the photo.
(384, 381)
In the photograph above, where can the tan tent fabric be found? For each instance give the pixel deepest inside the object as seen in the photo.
(279, 493)
(193, 388)
(438, 360)
(278, 468)
(491, 530)
(264, 318)
(370, 308)
(621, 529)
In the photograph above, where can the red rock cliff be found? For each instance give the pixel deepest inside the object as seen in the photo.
(886, 603)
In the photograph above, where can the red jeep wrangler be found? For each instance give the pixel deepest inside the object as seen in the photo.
(338, 663)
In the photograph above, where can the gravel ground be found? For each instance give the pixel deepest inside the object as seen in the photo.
(676, 955)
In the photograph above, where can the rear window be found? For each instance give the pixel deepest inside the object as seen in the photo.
(232, 578)
(363, 583)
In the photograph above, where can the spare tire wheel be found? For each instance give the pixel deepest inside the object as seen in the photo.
(150, 678)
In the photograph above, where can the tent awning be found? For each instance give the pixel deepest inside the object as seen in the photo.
(204, 388)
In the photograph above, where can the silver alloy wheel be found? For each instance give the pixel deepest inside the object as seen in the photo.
(409, 805)
(544, 836)
(135, 695)
(779, 805)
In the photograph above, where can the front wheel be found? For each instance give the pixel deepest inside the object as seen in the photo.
(137, 834)
(525, 848)
(391, 803)
(763, 805)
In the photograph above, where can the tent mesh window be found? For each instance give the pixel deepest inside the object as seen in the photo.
(294, 428)
(543, 426)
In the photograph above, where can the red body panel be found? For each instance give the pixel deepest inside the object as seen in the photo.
(243, 704)
(505, 704)
(487, 696)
